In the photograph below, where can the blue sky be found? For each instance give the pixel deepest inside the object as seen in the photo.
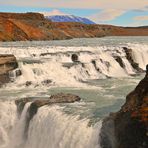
(116, 12)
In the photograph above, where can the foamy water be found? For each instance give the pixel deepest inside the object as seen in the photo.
(47, 68)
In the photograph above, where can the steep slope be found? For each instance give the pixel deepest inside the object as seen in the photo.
(128, 128)
(33, 26)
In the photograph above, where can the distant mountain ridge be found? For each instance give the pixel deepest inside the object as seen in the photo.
(69, 18)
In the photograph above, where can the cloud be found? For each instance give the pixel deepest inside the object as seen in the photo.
(141, 18)
(53, 12)
(88, 4)
(106, 15)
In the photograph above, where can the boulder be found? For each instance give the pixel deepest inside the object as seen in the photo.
(74, 57)
(128, 128)
(28, 83)
(7, 64)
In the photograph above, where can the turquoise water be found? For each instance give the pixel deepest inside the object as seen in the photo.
(99, 98)
(105, 41)
(98, 103)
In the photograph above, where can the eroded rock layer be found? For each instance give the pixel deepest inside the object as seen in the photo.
(33, 26)
(128, 128)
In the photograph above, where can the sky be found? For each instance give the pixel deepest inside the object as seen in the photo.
(115, 12)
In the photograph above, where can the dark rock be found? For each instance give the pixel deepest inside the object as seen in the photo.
(94, 63)
(28, 83)
(46, 82)
(74, 57)
(15, 73)
(129, 57)
(38, 102)
(128, 128)
(119, 60)
(18, 72)
(7, 64)
(64, 98)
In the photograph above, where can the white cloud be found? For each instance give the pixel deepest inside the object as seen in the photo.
(106, 15)
(89, 4)
(53, 12)
(141, 18)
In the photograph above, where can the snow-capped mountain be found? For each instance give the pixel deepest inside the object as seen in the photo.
(69, 18)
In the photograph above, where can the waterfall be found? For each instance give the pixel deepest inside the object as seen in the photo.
(47, 66)
(50, 127)
(8, 116)
(140, 54)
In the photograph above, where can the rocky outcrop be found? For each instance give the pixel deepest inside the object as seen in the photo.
(120, 61)
(128, 128)
(7, 64)
(129, 57)
(74, 57)
(36, 103)
(33, 26)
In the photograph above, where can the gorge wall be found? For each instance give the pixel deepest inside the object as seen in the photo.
(129, 127)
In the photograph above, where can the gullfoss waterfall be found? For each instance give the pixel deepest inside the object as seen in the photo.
(101, 75)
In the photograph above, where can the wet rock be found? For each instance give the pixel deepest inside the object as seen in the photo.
(39, 102)
(18, 72)
(28, 83)
(74, 58)
(129, 57)
(46, 82)
(128, 128)
(64, 98)
(119, 60)
(7, 64)
(94, 63)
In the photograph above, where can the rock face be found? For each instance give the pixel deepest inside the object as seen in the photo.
(39, 102)
(7, 64)
(128, 128)
(33, 26)
(120, 61)
(129, 57)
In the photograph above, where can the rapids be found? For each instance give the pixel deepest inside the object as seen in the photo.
(47, 68)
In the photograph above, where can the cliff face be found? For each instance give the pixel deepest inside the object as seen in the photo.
(33, 26)
(128, 128)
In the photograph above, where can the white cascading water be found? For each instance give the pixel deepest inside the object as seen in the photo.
(140, 54)
(54, 63)
(8, 117)
(50, 127)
